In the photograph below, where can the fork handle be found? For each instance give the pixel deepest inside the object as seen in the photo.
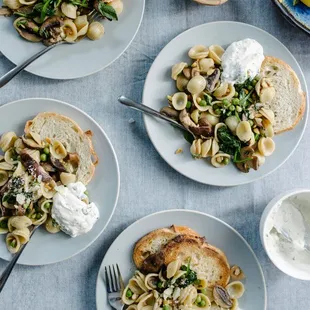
(6, 273)
(12, 73)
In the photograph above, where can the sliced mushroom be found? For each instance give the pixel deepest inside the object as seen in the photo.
(212, 80)
(205, 129)
(6, 12)
(153, 263)
(58, 164)
(47, 167)
(186, 120)
(221, 297)
(51, 30)
(170, 112)
(33, 167)
(27, 29)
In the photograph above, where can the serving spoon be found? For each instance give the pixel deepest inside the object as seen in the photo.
(7, 271)
(6, 78)
(145, 109)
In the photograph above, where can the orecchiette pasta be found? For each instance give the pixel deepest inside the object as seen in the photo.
(12, 4)
(196, 84)
(244, 131)
(69, 10)
(198, 52)
(13, 243)
(177, 69)
(179, 101)
(95, 31)
(81, 24)
(220, 160)
(22, 234)
(216, 53)
(118, 6)
(266, 146)
(7, 140)
(71, 35)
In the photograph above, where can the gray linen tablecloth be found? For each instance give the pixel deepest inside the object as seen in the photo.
(71, 284)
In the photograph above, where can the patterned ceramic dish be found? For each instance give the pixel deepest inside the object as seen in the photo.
(299, 14)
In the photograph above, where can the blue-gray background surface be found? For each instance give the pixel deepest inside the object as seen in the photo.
(148, 184)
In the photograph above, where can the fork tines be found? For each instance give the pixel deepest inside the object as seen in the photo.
(114, 281)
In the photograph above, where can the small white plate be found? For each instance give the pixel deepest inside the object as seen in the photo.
(216, 232)
(159, 84)
(74, 61)
(45, 248)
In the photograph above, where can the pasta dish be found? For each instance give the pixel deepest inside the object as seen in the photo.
(178, 270)
(53, 21)
(43, 174)
(224, 98)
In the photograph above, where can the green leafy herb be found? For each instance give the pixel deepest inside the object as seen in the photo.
(4, 223)
(244, 99)
(82, 3)
(229, 144)
(208, 99)
(107, 11)
(188, 137)
(21, 23)
(189, 278)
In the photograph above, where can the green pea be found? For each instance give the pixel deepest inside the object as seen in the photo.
(215, 106)
(218, 111)
(232, 108)
(251, 122)
(228, 113)
(236, 95)
(253, 82)
(46, 150)
(239, 109)
(43, 157)
(250, 87)
(225, 161)
(202, 303)
(39, 215)
(203, 103)
(13, 244)
(33, 216)
(47, 205)
(204, 291)
(129, 293)
(188, 105)
(160, 284)
(166, 307)
(235, 101)
(225, 103)
(26, 205)
(198, 300)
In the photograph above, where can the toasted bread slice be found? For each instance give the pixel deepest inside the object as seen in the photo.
(289, 102)
(58, 127)
(152, 243)
(207, 260)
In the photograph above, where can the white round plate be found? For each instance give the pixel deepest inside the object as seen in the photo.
(69, 61)
(216, 232)
(45, 248)
(159, 84)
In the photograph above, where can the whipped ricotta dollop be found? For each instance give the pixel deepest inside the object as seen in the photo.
(74, 216)
(288, 232)
(242, 60)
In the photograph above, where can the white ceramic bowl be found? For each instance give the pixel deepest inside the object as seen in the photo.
(285, 266)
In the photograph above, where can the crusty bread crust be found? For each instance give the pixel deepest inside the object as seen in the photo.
(273, 60)
(87, 135)
(153, 241)
(212, 262)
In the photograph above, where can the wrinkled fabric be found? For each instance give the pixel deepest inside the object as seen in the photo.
(148, 184)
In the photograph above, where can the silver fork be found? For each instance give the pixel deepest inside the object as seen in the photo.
(115, 286)
(92, 16)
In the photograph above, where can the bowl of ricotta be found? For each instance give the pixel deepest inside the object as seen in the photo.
(285, 232)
